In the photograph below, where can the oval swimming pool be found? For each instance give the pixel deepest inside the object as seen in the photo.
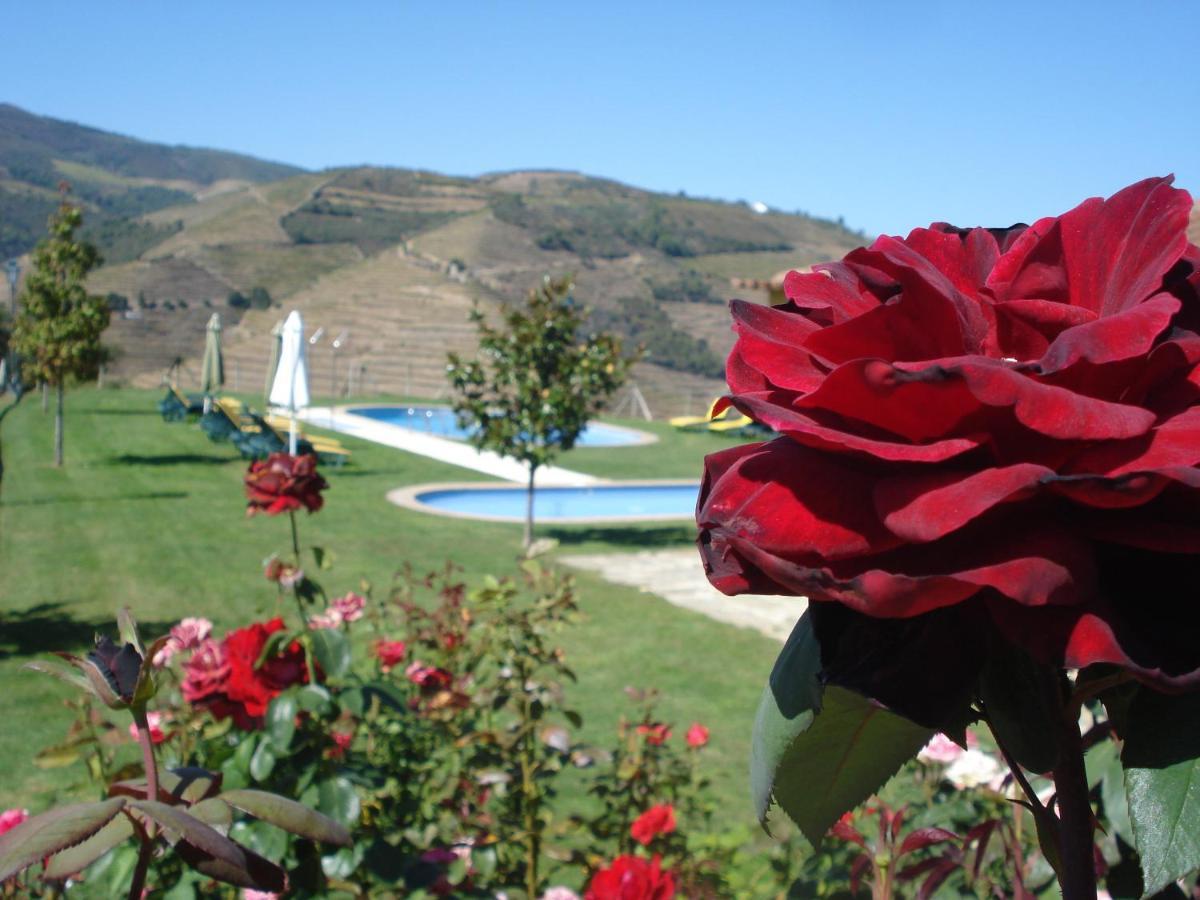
(596, 503)
(441, 422)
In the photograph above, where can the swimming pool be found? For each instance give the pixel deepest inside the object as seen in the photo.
(441, 421)
(627, 501)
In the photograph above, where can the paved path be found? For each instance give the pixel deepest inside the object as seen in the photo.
(456, 453)
(678, 577)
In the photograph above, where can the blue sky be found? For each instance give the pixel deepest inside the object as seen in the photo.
(890, 115)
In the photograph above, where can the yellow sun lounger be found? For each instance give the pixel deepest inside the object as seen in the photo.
(729, 418)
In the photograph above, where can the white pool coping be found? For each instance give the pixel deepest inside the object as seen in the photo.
(409, 497)
(456, 453)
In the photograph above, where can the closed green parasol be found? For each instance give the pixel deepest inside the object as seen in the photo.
(273, 362)
(212, 374)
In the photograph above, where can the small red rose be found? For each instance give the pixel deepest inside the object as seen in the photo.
(697, 736)
(656, 820)
(390, 654)
(632, 878)
(655, 733)
(283, 483)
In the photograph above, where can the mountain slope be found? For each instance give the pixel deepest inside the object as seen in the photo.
(115, 177)
(396, 257)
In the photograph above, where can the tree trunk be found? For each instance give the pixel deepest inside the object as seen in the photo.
(529, 508)
(45, 397)
(58, 426)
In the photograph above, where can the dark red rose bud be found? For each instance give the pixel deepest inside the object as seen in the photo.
(119, 665)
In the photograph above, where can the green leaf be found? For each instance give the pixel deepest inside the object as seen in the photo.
(819, 752)
(314, 698)
(263, 761)
(75, 859)
(207, 850)
(337, 799)
(322, 557)
(281, 720)
(250, 871)
(129, 630)
(1162, 784)
(58, 755)
(290, 816)
(332, 649)
(57, 670)
(1021, 700)
(46, 834)
(187, 783)
(215, 812)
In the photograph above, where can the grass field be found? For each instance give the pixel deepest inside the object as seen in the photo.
(152, 515)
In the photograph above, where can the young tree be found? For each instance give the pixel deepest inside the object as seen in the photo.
(58, 328)
(536, 380)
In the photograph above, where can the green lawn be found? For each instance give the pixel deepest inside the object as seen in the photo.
(152, 515)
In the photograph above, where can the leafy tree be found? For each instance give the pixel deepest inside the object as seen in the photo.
(58, 328)
(537, 380)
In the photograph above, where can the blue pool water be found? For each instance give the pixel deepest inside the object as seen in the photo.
(562, 503)
(441, 421)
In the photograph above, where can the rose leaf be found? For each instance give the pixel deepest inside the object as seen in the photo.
(288, 815)
(75, 859)
(46, 834)
(1162, 784)
(332, 650)
(1021, 700)
(820, 751)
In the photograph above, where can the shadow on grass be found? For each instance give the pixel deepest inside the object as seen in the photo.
(170, 459)
(48, 501)
(119, 412)
(51, 626)
(624, 535)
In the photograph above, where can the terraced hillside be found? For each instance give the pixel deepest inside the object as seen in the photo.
(398, 258)
(393, 256)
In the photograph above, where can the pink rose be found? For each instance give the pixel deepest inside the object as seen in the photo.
(940, 749)
(327, 619)
(206, 672)
(155, 720)
(188, 634)
(697, 736)
(350, 607)
(11, 818)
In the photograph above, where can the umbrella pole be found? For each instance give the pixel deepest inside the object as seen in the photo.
(292, 435)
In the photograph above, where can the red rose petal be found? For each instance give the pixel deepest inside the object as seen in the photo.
(769, 339)
(925, 507)
(1126, 335)
(808, 431)
(931, 402)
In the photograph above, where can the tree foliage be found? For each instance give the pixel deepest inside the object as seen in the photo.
(58, 328)
(537, 378)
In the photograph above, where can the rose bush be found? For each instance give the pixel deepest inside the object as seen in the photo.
(282, 483)
(984, 433)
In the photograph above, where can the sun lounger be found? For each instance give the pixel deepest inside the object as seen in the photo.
(175, 407)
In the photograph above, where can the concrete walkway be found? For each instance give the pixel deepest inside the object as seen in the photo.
(678, 577)
(457, 453)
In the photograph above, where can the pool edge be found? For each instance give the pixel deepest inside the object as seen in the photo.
(406, 498)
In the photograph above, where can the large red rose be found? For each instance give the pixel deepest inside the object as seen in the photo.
(983, 432)
(632, 878)
(282, 483)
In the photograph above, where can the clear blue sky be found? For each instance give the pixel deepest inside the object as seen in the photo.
(891, 115)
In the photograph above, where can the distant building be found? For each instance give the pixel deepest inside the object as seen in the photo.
(769, 289)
